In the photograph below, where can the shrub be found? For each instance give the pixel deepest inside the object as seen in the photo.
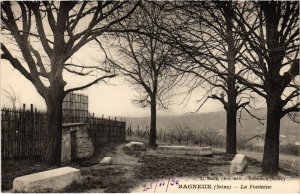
(290, 149)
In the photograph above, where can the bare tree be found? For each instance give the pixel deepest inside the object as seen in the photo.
(271, 30)
(205, 33)
(145, 61)
(12, 97)
(48, 34)
(183, 132)
(211, 137)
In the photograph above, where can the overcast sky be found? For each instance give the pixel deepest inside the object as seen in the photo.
(114, 99)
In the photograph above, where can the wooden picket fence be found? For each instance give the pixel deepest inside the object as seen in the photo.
(104, 130)
(21, 132)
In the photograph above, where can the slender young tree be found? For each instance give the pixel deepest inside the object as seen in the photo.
(48, 34)
(145, 61)
(271, 30)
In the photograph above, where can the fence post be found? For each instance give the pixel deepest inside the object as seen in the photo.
(200, 139)
(172, 138)
(160, 134)
(92, 127)
(92, 123)
(22, 128)
(187, 140)
(114, 129)
(179, 138)
(164, 137)
(124, 137)
(119, 130)
(109, 130)
(146, 132)
(32, 127)
(28, 144)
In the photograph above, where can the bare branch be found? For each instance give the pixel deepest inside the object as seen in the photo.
(90, 84)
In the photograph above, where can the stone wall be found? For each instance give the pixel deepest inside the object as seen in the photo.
(66, 146)
(76, 142)
(83, 143)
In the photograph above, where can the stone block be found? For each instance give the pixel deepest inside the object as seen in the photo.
(47, 181)
(135, 146)
(66, 150)
(171, 149)
(185, 150)
(238, 164)
(106, 161)
(200, 151)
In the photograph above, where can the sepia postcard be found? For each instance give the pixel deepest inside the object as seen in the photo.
(150, 97)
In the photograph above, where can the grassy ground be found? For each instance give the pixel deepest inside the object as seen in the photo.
(109, 179)
(10, 169)
(130, 169)
(159, 166)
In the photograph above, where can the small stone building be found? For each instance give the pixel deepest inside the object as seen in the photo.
(81, 131)
(76, 142)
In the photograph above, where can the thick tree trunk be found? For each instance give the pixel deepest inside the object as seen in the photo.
(231, 107)
(271, 150)
(53, 131)
(152, 138)
(231, 129)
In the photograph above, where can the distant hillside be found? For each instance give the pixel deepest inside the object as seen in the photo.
(214, 120)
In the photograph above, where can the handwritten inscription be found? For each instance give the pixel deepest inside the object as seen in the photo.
(161, 184)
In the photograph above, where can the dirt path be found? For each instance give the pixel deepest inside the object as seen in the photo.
(121, 158)
(122, 162)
